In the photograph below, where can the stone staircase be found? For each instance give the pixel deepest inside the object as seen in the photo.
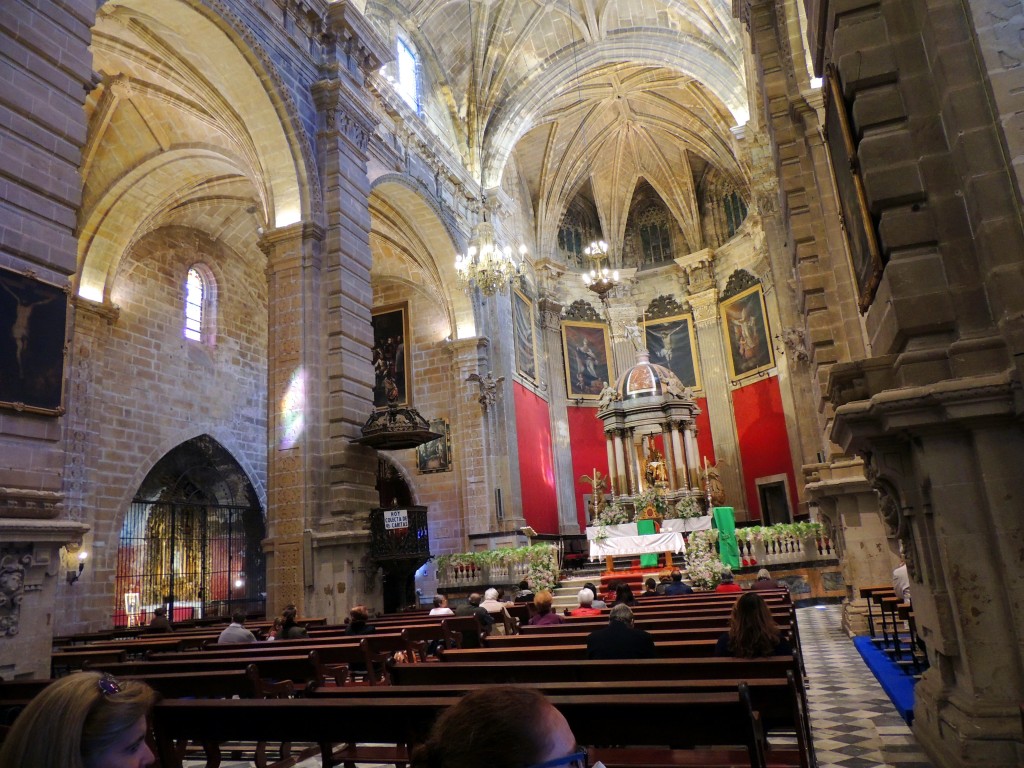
(565, 596)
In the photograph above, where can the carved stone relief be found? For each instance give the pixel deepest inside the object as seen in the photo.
(20, 573)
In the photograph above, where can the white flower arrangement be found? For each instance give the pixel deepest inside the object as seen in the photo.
(703, 565)
(688, 508)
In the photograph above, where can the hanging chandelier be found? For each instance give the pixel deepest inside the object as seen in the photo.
(600, 279)
(486, 264)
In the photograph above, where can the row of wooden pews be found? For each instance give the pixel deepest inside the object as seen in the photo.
(344, 692)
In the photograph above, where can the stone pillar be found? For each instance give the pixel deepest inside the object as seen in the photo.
(848, 508)
(565, 484)
(294, 445)
(723, 427)
(682, 459)
(477, 502)
(634, 462)
(670, 455)
(622, 484)
(335, 548)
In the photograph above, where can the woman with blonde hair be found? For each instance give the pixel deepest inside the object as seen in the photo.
(84, 720)
(752, 631)
(542, 603)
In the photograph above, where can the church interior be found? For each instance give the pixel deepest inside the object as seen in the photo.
(238, 236)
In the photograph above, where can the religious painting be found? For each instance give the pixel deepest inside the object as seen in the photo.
(390, 370)
(33, 322)
(522, 321)
(436, 456)
(587, 359)
(747, 339)
(671, 343)
(856, 216)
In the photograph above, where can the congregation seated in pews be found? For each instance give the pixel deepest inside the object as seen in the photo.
(385, 680)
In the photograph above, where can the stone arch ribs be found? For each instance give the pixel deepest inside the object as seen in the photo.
(689, 56)
(191, 74)
(407, 222)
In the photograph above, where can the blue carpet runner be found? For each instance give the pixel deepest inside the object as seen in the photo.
(897, 684)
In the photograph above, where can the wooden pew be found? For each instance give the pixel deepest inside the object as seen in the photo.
(668, 649)
(722, 718)
(304, 670)
(71, 659)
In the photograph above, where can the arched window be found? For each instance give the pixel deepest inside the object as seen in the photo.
(735, 212)
(408, 85)
(200, 295)
(655, 237)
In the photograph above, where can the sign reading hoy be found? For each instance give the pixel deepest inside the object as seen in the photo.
(395, 519)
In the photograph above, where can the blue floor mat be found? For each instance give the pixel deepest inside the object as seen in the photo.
(897, 684)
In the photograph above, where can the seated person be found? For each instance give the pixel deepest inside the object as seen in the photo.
(586, 608)
(160, 622)
(500, 726)
(484, 620)
(85, 719)
(650, 588)
(289, 629)
(619, 640)
(664, 579)
(727, 584)
(598, 602)
(275, 629)
(525, 594)
(491, 603)
(752, 631)
(678, 586)
(357, 621)
(624, 595)
(542, 602)
(765, 581)
(235, 632)
(441, 607)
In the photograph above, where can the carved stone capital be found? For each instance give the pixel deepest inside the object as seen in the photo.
(705, 307)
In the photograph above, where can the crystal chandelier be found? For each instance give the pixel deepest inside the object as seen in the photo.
(600, 279)
(487, 265)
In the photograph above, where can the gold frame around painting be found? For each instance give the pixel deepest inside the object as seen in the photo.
(386, 320)
(581, 337)
(672, 326)
(440, 449)
(746, 316)
(525, 348)
(35, 315)
(865, 255)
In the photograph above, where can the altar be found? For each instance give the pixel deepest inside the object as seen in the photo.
(610, 541)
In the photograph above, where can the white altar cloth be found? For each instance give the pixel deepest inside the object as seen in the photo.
(689, 525)
(670, 541)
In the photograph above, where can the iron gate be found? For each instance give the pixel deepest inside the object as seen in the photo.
(196, 559)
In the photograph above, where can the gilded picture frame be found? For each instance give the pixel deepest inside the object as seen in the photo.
(391, 375)
(525, 339)
(865, 255)
(33, 333)
(747, 335)
(587, 355)
(671, 342)
(436, 455)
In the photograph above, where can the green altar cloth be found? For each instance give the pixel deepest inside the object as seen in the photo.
(728, 549)
(649, 560)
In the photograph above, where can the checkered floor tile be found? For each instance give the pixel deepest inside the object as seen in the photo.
(852, 720)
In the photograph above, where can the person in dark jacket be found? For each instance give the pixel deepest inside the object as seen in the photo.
(357, 621)
(619, 640)
(752, 631)
(678, 586)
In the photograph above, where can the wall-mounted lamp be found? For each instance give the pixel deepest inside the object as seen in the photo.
(72, 576)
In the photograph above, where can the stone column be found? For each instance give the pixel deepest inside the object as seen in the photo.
(670, 455)
(477, 503)
(294, 444)
(335, 549)
(848, 507)
(622, 485)
(565, 484)
(634, 462)
(609, 445)
(682, 459)
(715, 374)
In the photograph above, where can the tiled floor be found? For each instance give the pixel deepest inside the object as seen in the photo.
(853, 722)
